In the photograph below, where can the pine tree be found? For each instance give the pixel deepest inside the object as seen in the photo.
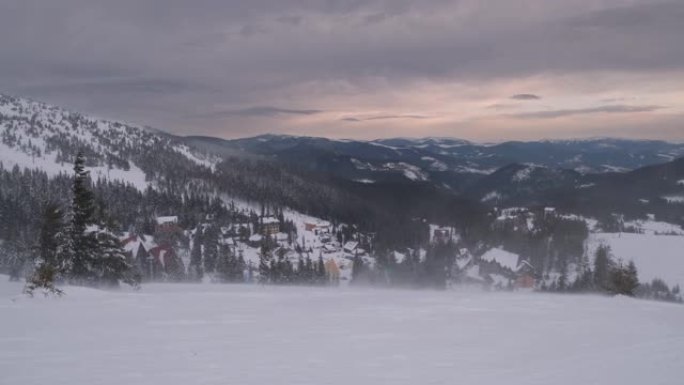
(320, 271)
(357, 269)
(49, 241)
(111, 266)
(210, 241)
(264, 269)
(602, 267)
(195, 267)
(240, 270)
(83, 244)
(624, 279)
(49, 265)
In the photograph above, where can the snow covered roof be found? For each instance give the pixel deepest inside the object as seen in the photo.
(502, 257)
(166, 220)
(255, 238)
(132, 243)
(270, 220)
(524, 264)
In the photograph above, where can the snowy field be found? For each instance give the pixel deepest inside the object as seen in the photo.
(655, 256)
(224, 334)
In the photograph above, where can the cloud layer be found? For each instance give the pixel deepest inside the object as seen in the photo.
(393, 67)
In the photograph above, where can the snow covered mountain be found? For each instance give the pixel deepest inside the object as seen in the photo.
(44, 137)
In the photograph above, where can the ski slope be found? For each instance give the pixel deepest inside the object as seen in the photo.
(239, 334)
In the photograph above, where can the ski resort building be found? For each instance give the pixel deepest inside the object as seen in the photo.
(270, 226)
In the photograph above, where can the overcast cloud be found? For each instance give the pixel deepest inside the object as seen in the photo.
(354, 68)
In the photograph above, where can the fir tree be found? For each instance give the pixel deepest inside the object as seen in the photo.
(111, 266)
(49, 241)
(83, 244)
(210, 241)
(264, 269)
(624, 279)
(602, 267)
(195, 268)
(357, 269)
(49, 264)
(320, 271)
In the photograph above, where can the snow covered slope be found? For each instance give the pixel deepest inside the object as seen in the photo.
(39, 136)
(655, 256)
(235, 334)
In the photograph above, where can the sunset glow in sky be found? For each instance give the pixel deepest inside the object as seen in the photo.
(479, 70)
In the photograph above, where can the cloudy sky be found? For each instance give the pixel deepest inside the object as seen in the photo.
(482, 70)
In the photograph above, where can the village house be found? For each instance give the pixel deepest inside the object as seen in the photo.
(137, 251)
(351, 247)
(169, 222)
(270, 226)
(318, 227)
(332, 270)
(441, 235)
(525, 276)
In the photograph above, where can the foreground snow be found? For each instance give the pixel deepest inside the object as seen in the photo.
(224, 334)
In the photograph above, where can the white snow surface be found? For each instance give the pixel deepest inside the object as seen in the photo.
(241, 334)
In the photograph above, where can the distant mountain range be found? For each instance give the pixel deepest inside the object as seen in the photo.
(442, 161)
(331, 177)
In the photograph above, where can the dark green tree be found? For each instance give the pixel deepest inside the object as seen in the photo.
(83, 244)
(195, 270)
(602, 268)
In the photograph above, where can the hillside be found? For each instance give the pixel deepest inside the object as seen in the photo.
(418, 212)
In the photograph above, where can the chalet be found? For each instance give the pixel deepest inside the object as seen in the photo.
(168, 225)
(167, 221)
(332, 270)
(441, 235)
(525, 276)
(317, 227)
(549, 212)
(137, 251)
(351, 247)
(270, 226)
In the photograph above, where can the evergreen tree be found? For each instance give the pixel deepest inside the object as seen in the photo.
(49, 264)
(49, 241)
(83, 243)
(110, 266)
(624, 279)
(321, 276)
(195, 267)
(602, 267)
(357, 269)
(210, 241)
(264, 269)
